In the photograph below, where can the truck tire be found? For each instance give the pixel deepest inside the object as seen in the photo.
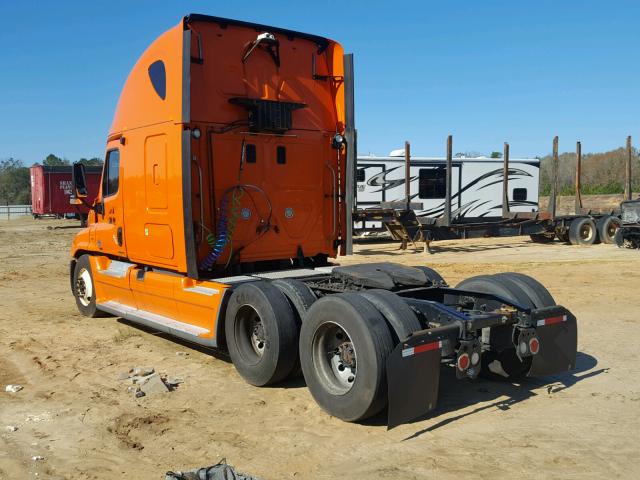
(538, 294)
(84, 289)
(607, 227)
(434, 277)
(546, 237)
(399, 316)
(494, 285)
(300, 297)
(262, 333)
(351, 384)
(583, 231)
(501, 364)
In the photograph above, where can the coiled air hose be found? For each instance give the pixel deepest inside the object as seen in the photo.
(227, 221)
(230, 209)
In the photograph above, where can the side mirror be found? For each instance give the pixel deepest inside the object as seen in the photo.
(79, 181)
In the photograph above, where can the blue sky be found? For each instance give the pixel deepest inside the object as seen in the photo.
(484, 71)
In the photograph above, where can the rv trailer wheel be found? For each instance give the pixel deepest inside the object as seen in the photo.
(344, 345)
(261, 333)
(83, 289)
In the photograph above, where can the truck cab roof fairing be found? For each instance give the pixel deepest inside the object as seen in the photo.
(140, 104)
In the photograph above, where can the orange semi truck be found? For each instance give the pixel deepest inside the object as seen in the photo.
(228, 185)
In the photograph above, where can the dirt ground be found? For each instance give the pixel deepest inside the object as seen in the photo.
(76, 414)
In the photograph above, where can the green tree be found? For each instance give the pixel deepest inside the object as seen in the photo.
(54, 161)
(94, 161)
(496, 154)
(15, 186)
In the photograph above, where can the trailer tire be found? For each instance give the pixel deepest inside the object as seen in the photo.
(351, 384)
(583, 231)
(607, 227)
(546, 237)
(84, 289)
(261, 333)
(538, 294)
(399, 316)
(432, 276)
(506, 366)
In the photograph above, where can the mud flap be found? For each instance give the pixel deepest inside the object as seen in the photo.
(557, 331)
(413, 377)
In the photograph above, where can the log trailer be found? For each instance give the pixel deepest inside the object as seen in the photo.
(227, 187)
(454, 218)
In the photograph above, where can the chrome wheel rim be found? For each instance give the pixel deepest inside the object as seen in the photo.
(84, 287)
(335, 357)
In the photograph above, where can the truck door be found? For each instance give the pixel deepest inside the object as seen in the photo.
(109, 230)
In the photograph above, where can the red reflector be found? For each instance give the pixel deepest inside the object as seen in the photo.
(534, 345)
(558, 319)
(426, 347)
(463, 361)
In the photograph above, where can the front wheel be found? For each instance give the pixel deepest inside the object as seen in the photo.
(84, 288)
(344, 345)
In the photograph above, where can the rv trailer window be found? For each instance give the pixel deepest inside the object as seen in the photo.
(360, 175)
(111, 175)
(520, 194)
(432, 183)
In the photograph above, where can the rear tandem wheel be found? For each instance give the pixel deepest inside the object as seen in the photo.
(344, 345)
(261, 333)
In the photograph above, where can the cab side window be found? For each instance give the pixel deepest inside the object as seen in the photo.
(111, 175)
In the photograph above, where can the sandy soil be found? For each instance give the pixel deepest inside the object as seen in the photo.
(75, 413)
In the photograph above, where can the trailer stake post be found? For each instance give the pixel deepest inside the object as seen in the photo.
(505, 182)
(627, 180)
(407, 174)
(447, 199)
(578, 199)
(551, 208)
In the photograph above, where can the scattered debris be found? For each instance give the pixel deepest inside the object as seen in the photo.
(43, 417)
(153, 384)
(11, 428)
(13, 388)
(146, 381)
(219, 471)
(37, 458)
(142, 371)
(182, 354)
(173, 382)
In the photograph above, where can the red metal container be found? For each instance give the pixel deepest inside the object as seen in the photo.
(51, 190)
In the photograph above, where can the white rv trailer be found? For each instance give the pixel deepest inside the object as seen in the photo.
(476, 186)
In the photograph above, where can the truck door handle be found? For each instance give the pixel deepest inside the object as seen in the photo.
(119, 236)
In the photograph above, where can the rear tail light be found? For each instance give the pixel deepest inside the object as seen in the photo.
(534, 345)
(463, 362)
